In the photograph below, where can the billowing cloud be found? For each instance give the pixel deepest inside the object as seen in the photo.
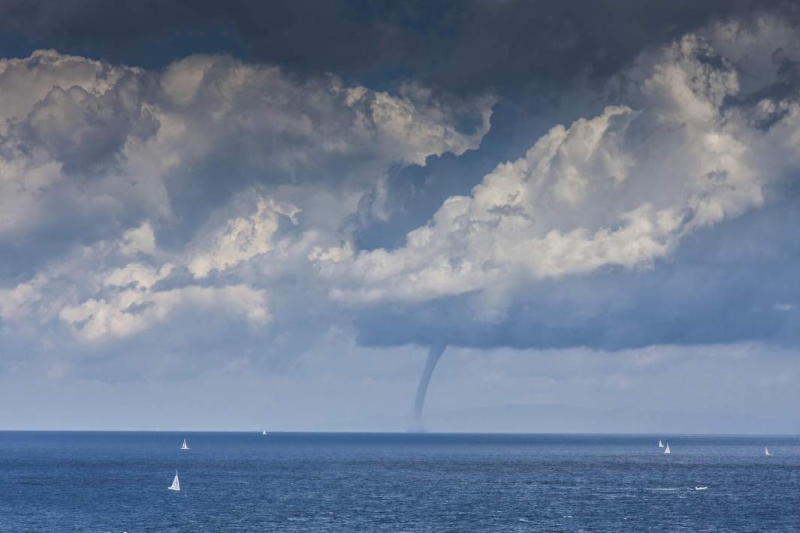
(122, 144)
(99, 303)
(205, 210)
(130, 312)
(241, 239)
(111, 162)
(618, 190)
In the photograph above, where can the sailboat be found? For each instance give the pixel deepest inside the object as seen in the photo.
(766, 451)
(184, 446)
(176, 484)
(264, 432)
(666, 450)
(660, 444)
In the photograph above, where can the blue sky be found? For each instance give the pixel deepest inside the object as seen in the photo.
(229, 217)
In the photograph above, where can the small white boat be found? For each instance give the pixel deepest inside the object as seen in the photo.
(766, 451)
(176, 484)
(264, 432)
(660, 444)
(701, 488)
(184, 446)
(666, 450)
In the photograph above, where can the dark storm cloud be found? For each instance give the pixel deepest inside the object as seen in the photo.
(152, 33)
(462, 46)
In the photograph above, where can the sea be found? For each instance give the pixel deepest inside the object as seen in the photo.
(117, 482)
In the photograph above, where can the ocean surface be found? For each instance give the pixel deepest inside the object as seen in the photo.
(94, 481)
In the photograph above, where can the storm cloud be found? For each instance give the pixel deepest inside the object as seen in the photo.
(186, 188)
(473, 46)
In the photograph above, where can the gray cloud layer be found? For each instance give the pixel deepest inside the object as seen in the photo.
(472, 46)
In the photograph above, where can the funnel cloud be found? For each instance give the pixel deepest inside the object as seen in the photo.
(434, 354)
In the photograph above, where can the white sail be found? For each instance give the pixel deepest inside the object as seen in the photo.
(766, 452)
(184, 446)
(660, 444)
(666, 450)
(264, 432)
(176, 484)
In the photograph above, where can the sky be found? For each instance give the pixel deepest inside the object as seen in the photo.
(242, 215)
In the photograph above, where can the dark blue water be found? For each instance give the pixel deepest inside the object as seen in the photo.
(395, 482)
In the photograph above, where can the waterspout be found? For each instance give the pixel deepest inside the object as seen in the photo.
(434, 354)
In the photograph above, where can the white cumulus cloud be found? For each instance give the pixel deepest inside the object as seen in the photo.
(617, 190)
